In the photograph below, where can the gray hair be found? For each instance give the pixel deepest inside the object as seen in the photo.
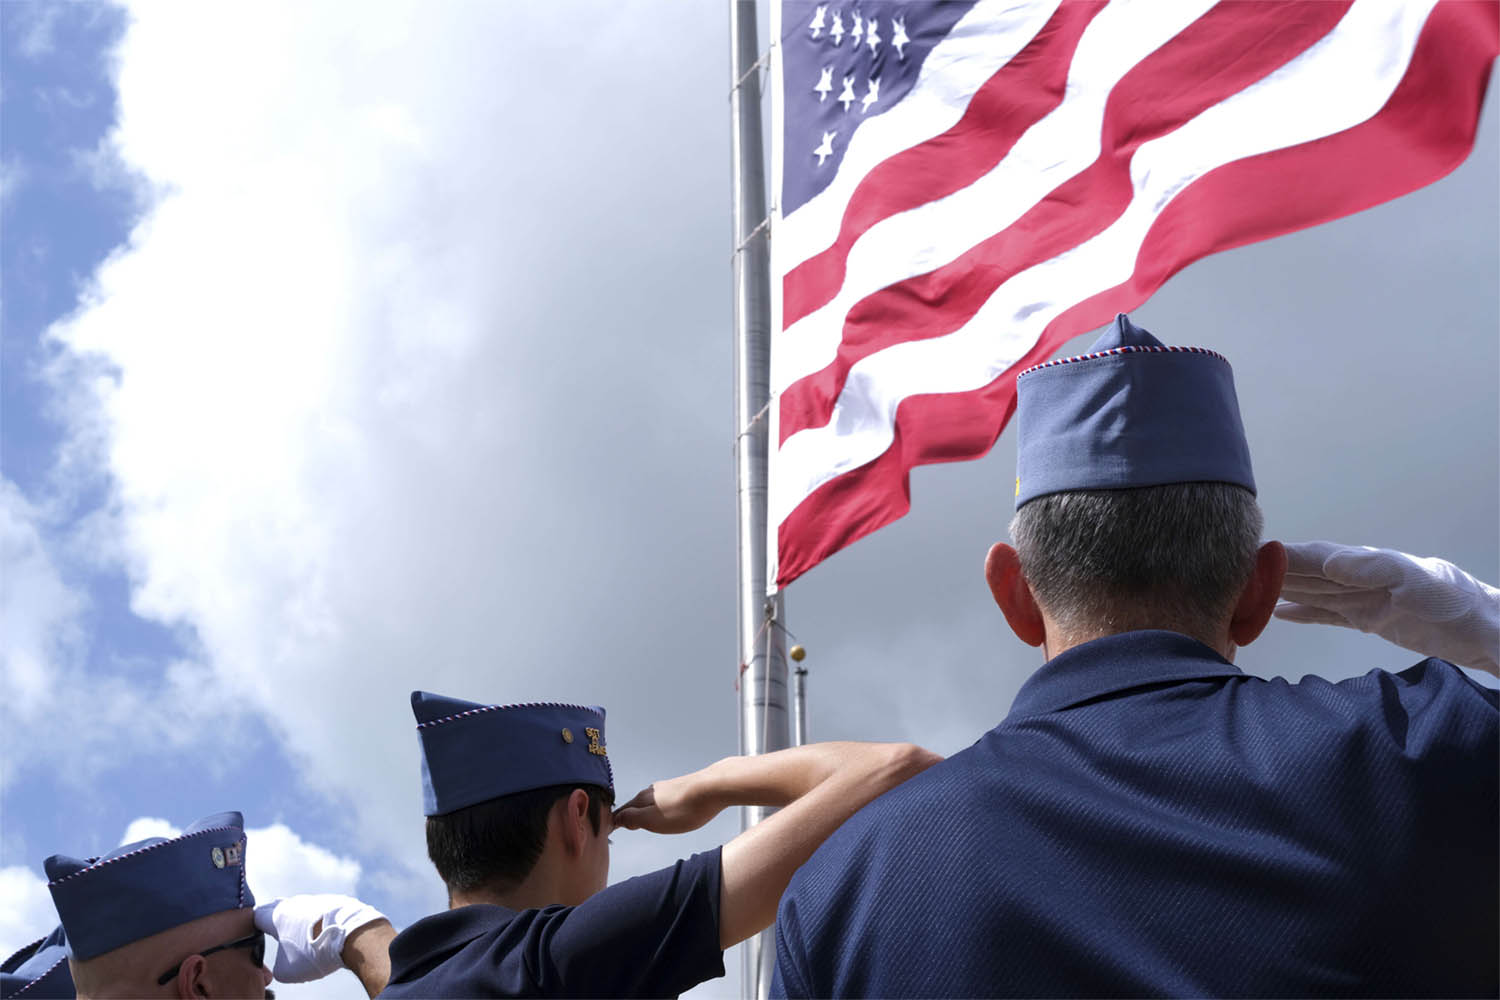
(1172, 557)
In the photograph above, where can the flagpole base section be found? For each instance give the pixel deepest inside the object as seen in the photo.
(765, 716)
(764, 703)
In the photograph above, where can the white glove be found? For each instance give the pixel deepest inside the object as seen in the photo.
(300, 957)
(1427, 605)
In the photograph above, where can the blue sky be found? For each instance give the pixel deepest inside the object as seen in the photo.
(352, 358)
(64, 210)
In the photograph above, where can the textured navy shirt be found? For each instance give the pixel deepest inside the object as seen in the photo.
(654, 935)
(1150, 820)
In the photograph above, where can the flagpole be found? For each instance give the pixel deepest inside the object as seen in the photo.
(763, 721)
(799, 706)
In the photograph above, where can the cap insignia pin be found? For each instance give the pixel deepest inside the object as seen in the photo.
(567, 735)
(217, 854)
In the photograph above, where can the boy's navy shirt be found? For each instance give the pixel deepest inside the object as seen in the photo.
(1150, 820)
(650, 936)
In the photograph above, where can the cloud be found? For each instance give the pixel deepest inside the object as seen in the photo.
(285, 865)
(113, 715)
(45, 676)
(13, 176)
(279, 862)
(39, 612)
(146, 827)
(357, 396)
(37, 25)
(27, 913)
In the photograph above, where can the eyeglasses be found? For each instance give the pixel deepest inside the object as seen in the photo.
(255, 942)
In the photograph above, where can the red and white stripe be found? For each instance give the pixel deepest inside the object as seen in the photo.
(1054, 164)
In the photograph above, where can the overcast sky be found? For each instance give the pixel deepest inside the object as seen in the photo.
(346, 356)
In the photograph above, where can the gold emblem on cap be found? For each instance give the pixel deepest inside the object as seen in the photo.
(567, 735)
(1018, 486)
(217, 854)
(594, 747)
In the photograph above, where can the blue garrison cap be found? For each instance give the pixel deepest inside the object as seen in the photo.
(1132, 412)
(40, 969)
(151, 885)
(473, 752)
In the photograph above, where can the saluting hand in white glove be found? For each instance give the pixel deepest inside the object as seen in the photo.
(310, 931)
(1426, 605)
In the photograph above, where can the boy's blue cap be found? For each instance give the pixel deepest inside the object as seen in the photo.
(40, 969)
(473, 752)
(1132, 412)
(151, 885)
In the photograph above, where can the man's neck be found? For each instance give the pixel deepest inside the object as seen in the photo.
(1060, 641)
(531, 894)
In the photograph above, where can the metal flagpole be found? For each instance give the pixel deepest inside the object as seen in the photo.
(763, 673)
(799, 706)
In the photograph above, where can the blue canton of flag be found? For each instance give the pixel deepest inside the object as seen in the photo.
(844, 63)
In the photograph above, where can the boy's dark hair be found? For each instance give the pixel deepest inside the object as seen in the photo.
(496, 843)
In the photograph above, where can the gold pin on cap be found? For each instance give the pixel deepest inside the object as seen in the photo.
(567, 735)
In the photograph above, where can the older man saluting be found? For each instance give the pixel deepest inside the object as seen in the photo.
(174, 917)
(1148, 820)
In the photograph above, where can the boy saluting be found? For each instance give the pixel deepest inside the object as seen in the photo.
(518, 801)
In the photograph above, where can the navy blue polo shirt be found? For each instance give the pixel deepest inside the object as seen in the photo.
(1148, 820)
(651, 936)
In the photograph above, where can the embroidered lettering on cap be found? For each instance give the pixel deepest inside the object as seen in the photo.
(234, 853)
(503, 749)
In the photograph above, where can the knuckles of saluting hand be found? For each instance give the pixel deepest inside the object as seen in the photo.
(1427, 605)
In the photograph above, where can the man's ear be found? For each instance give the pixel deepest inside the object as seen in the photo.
(574, 817)
(1259, 597)
(189, 983)
(1002, 571)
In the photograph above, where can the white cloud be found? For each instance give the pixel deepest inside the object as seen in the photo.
(278, 861)
(27, 913)
(44, 673)
(148, 826)
(37, 23)
(13, 176)
(285, 864)
(358, 397)
(39, 630)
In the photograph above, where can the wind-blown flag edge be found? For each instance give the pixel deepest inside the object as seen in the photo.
(1454, 45)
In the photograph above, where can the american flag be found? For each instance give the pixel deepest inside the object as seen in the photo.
(965, 186)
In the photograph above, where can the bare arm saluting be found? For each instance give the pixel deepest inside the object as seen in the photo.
(817, 786)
